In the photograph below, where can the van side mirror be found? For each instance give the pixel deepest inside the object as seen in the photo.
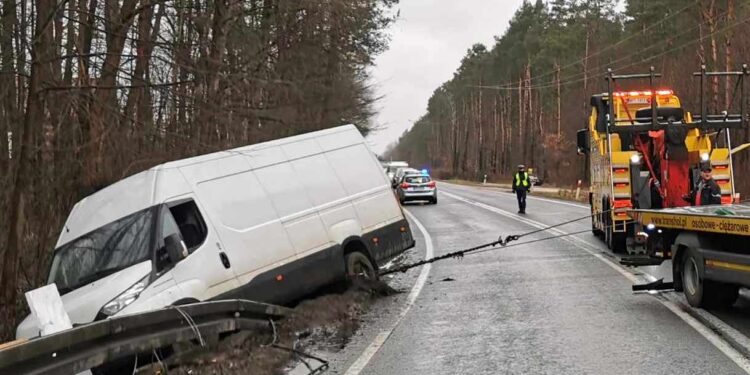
(176, 249)
(582, 141)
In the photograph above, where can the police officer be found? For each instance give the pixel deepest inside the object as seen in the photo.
(521, 185)
(706, 191)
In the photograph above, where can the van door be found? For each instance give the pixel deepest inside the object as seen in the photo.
(317, 262)
(207, 271)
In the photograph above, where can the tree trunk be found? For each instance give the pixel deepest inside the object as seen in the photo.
(559, 105)
(119, 22)
(585, 72)
(134, 121)
(710, 17)
(728, 56)
(8, 89)
(520, 122)
(40, 53)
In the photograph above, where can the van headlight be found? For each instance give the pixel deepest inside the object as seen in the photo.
(125, 298)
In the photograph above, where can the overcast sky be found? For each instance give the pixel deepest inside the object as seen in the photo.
(427, 44)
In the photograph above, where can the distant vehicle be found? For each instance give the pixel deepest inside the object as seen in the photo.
(400, 173)
(533, 178)
(535, 181)
(270, 222)
(417, 187)
(392, 166)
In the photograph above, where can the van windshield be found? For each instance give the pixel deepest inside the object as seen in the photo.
(103, 251)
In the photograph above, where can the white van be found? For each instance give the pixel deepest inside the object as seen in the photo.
(270, 222)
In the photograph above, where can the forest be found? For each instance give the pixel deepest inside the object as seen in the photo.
(92, 91)
(522, 100)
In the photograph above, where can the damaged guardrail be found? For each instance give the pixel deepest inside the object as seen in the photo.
(85, 347)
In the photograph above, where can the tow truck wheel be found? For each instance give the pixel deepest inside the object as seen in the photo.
(619, 243)
(692, 283)
(705, 293)
(596, 231)
(608, 237)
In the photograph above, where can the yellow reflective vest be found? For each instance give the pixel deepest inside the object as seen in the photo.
(521, 179)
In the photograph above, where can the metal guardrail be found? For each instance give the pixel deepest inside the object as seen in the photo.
(94, 344)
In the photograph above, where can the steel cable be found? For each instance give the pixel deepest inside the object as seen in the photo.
(503, 242)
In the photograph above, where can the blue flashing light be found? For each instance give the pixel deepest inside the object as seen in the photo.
(424, 171)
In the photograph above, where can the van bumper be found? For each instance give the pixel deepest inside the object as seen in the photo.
(389, 241)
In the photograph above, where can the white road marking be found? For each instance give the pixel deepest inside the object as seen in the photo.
(576, 205)
(531, 197)
(720, 343)
(381, 338)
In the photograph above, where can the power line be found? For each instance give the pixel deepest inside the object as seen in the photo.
(581, 60)
(570, 79)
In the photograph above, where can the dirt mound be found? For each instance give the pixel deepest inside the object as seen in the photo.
(325, 323)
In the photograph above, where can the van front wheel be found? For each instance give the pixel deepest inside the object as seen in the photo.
(358, 265)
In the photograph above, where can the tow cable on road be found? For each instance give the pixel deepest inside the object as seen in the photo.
(502, 241)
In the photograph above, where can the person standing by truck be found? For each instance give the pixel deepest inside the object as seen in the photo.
(521, 185)
(706, 191)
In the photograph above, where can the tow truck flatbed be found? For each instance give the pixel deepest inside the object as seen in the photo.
(708, 245)
(726, 219)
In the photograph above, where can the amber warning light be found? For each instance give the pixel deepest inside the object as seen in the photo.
(643, 93)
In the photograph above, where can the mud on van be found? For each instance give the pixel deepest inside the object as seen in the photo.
(270, 222)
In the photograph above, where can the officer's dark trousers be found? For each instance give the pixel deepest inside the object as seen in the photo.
(521, 196)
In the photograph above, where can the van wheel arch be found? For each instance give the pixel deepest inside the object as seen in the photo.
(357, 244)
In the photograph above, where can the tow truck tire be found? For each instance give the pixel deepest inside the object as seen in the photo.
(596, 231)
(619, 243)
(359, 265)
(692, 283)
(700, 292)
(606, 221)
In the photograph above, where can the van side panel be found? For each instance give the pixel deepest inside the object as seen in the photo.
(329, 196)
(348, 137)
(319, 180)
(373, 199)
(294, 207)
(245, 218)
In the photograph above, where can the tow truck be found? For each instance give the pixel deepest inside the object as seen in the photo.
(645, 153)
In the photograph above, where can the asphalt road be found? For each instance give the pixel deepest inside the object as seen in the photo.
(558, 306)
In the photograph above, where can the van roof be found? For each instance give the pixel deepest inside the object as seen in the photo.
(147, 188)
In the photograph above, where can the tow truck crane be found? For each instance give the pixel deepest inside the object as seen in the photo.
(645, 153)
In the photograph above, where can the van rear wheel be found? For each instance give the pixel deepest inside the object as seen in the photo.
(358, 265)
